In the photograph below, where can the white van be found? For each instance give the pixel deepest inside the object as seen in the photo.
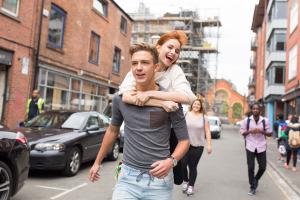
(215, 126)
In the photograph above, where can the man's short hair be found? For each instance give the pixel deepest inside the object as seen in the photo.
(256, 104)
(145, 47)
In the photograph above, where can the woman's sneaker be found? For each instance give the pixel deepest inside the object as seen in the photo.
(190, 191)
(185, 186)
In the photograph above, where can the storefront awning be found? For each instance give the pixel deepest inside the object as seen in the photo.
(291, 95)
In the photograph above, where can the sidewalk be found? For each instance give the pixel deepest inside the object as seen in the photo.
(290, 177)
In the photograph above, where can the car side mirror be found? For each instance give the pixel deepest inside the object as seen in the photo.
(92, 128)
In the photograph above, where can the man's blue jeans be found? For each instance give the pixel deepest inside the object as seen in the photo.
(135, 184)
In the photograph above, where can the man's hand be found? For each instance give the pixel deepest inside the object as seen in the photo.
(161, 168)
(253, 131)
(170, 106)
(209, 149)
(94, 173)
(141, 98)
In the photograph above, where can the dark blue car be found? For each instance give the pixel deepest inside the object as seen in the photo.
(14, 162)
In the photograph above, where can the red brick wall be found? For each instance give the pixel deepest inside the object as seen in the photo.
(80, 21)
(21, 30)
(292, 39)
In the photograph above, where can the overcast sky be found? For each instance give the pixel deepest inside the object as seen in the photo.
(234, 44)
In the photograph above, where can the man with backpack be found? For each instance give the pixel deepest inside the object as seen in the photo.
(293, 134)
(255, 129)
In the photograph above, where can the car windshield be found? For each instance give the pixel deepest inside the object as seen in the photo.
(49, 120)
(213, 122)
(75, 121)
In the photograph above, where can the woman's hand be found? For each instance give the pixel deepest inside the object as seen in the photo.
(209, 149)
(170, 106)
(142, 98)
(129, 97)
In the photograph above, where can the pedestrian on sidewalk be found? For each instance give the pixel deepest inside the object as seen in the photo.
(198, 130)
(294, 125)
(279, 128)
(146, 167)
(255, 129)
(35, 105)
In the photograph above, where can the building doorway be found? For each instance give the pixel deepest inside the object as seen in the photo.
(2, 90)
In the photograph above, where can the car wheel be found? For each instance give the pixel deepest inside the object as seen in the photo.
(114, 154)
(6, 181)
(73, 162)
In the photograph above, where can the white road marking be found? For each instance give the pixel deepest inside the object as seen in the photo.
(68, 191)
(282, 185)
(52, 188)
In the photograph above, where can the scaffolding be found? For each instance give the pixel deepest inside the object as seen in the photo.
(199, 57)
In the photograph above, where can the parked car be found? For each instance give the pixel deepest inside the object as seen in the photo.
(14, 162)
(63, 140)
(215, 126)
(239, 123)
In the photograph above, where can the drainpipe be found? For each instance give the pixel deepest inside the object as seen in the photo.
(37, 52)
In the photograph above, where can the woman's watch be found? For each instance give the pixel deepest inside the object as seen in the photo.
(174, 160)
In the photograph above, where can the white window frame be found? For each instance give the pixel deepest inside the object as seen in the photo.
(293, 56)
(10, 12)
(293, 16)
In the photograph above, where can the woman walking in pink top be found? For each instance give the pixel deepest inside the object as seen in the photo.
(198, 130)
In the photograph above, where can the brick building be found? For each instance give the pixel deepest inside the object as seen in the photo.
(275, 23)
(269, 64)
(81, 54)
(18, 22)
(224, 101)
(292, 85)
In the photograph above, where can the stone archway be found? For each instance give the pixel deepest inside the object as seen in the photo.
(221, 106)
(237, 110)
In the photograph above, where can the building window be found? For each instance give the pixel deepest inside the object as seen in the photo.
(147, 38)
(11, 7)
(62, 91)
(276, 41)
(134, 38)
(293, 62)
(94, 48)
(147, 26)
(293, 15)
(117, 60)
(101, 6)
(278, 10)
(275, 74)
(279, 75)
(56, 27)
(123, 25)
(135, 27)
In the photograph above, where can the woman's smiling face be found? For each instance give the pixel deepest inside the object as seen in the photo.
(169, 52)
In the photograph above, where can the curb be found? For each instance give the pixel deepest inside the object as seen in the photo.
(286, 180)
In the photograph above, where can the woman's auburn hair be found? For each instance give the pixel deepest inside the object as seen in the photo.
(202, 110)
(178, 35)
